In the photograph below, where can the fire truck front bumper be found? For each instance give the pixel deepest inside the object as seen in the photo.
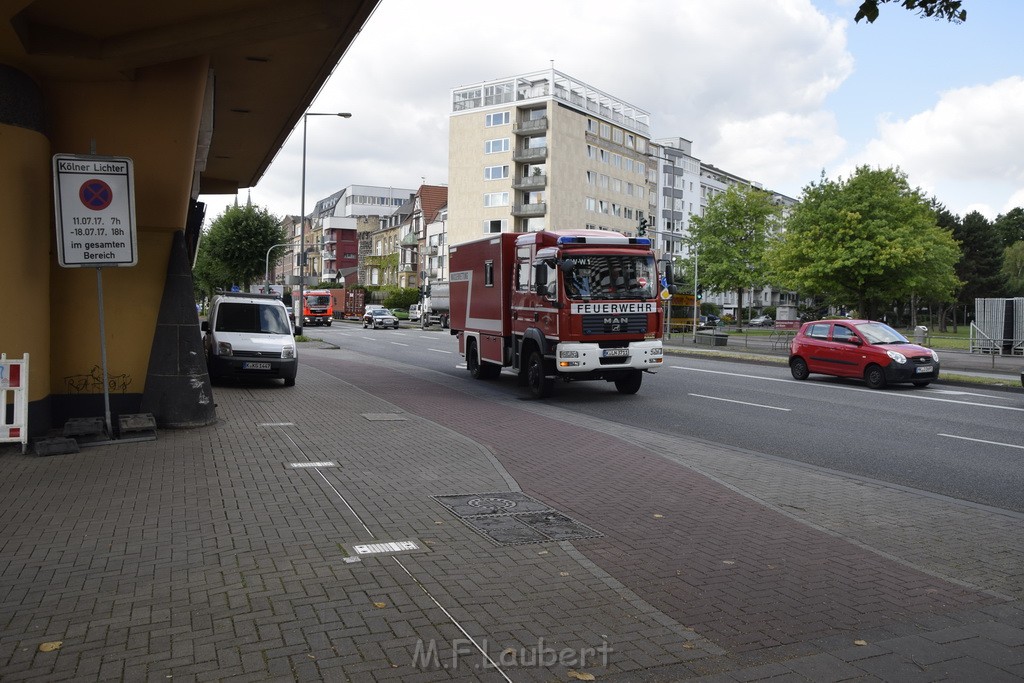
(580, 357)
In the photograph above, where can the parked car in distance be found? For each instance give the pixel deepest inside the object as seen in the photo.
(250, 335)
(379, 317)
(709, 321)
(861, 349)
(762, 321)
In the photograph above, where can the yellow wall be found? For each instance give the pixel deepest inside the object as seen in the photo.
(153, 119)
(24, 254)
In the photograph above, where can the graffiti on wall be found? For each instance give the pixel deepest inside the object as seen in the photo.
(92, 383)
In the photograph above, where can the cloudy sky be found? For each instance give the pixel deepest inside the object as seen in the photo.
(776, 92)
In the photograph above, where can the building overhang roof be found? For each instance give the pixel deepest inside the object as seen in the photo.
(269, 59)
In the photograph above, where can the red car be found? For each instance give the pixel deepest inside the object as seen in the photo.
(862, 349)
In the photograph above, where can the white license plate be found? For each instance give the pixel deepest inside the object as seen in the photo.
(615, 353)
(923, 368)
(255, 366)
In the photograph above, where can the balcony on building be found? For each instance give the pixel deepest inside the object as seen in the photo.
(530, 155)
(531, 127)
(530, 210)
(531, 183)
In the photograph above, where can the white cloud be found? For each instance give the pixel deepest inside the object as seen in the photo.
(749, 82)
(965, 147)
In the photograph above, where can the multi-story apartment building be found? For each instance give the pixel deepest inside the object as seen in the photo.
(335, 225)
(675, 175)
(545, 151)
(416, 251)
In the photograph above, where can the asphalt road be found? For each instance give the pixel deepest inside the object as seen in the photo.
(964, 443)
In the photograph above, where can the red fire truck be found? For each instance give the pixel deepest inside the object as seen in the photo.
(567, 306)
(318, 307)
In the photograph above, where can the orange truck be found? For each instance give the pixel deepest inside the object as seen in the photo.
(317, 307)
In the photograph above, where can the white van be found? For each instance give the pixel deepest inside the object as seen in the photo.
(415, 311)
(249, 335)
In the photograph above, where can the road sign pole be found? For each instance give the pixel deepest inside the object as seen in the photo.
(103, 354)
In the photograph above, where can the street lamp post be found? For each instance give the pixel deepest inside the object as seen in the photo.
(302, 216)
(696, 304)
(266, 272)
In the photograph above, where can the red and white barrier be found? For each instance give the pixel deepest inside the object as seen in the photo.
(14, 385)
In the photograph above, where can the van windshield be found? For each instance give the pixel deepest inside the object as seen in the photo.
(597, 277)
(252, 318)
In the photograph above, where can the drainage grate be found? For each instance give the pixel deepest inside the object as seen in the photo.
(510, 518)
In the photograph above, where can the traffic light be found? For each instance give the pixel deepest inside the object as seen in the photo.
(700, 292)
(642, 228)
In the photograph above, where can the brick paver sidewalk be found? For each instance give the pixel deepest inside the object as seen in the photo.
(207, 555)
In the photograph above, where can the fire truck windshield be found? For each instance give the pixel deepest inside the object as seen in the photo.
(607, 277)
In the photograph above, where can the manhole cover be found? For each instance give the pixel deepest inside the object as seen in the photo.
(510, 518)
(504, 502)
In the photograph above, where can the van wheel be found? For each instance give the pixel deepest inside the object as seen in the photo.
(630, 384)
(289, 381)
(874, 377)
(540, 385)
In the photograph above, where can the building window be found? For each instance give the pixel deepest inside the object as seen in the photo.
(496, 199)
(591, 126)
(630, 140)
(606, 130)
(591, 152)
(617, 135)
(591, 204)
(495, 146)
(591, 178)
(495, 226)
(495, 172)
(500, 118)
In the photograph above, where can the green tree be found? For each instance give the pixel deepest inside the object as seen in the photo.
(1013, 269)
(732, 238)
(950, 222)
(401, 297)
(865, 241)
(982, 257)
(233, 251)
(939, 9)
(1011, 226)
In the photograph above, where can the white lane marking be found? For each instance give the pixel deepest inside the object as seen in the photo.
(876, 392)
(398, 343)
(991, 443)
(729, 400)
(439, 351)
(951, 392)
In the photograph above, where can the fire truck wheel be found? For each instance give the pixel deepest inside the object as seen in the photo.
(540, 385)
(630, 384)
(479, 369)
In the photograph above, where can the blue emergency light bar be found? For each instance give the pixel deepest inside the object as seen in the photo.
(603, 239)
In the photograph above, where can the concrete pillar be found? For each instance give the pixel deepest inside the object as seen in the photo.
(26, 236)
